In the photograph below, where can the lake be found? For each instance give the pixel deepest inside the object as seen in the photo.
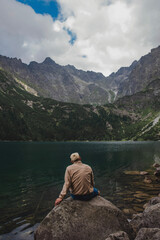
(31, 177)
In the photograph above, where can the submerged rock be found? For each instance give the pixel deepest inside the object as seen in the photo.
(132, 172)
(141, 195)
(128, 211)
(144, 173)
(147, 180)
(79, 220)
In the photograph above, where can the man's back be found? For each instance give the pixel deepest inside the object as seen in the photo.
(81, 178)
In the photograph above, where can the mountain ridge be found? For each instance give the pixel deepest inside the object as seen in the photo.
(146, 70)
(59, 83)
(68, 84)
(62, 83)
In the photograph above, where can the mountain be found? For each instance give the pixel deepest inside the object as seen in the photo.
(145, 71)
(146, 105)
(34, 101)
(65, 84)
(68, 84)
(26, 116)
(121, 76)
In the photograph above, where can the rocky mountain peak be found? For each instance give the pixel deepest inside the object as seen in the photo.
(5, 60)
(70, 66)
(48, 61)
(155, 50)
(33, 63)
(145, 71)
(134, 63)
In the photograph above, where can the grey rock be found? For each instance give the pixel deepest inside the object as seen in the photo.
(157, 172)
(150, 218)
(153, 201)
(148, 234)
(118, 236)
(79, 220)
(137, 222)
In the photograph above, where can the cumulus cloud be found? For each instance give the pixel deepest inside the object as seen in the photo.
(112, 33)
(107, 34)
(28, 35)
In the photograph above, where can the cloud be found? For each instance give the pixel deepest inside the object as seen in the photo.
(28, 35)
(112, 33)
(98, 35)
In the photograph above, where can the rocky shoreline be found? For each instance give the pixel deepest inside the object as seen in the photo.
(147, 224)
(99, 219)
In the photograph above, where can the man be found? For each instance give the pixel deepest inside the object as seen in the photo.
(79, 180)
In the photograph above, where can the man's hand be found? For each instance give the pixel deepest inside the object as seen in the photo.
(58, 201)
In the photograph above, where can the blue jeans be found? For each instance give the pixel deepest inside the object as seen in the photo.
(86, 197)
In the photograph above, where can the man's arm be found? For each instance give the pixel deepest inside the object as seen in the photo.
(67, 183)
(93, 183)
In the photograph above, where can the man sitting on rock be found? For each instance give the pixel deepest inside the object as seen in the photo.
(79, 180)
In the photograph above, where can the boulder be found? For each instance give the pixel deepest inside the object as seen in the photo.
(157, 172)
(83, 220)
(156, 165)
(150, 218)
(137, 222)
(148, 233)
(118, 236)
(152, 201)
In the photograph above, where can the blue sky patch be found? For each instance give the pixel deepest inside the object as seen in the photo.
(72, 36)
(43, 7)
(50, 7)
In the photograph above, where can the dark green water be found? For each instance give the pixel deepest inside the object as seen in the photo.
(31, 177)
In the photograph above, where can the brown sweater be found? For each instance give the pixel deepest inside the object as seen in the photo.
(78, 179)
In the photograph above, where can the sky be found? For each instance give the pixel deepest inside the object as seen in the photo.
(97, 35)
